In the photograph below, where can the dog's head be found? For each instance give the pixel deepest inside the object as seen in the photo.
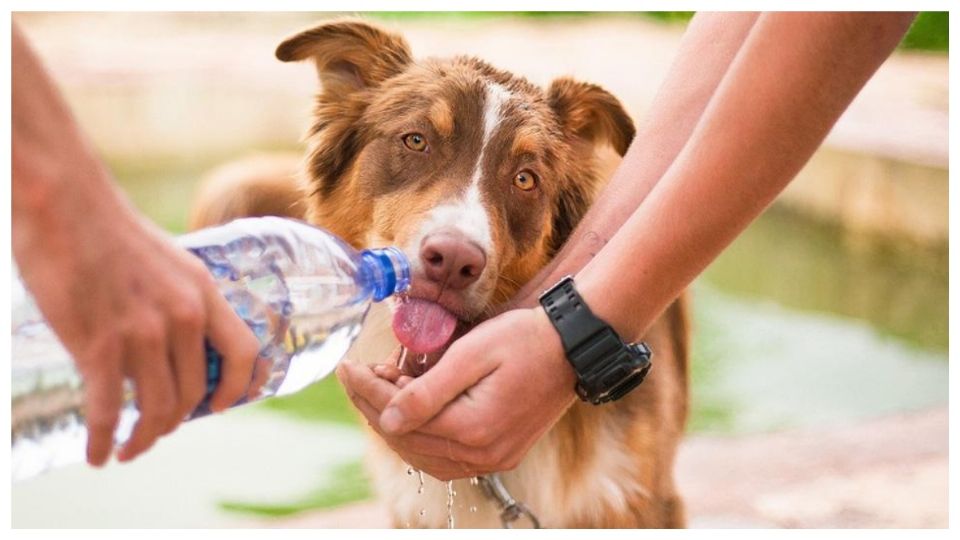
(477, 174)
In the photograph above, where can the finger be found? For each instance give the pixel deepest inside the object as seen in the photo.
(189, 361)
(404, 380)
(359, 382)
(103, 398)
(371, 414)
(238, 348)
(421, 399)
(431, 455)
(261, 374)
(387, 371)
(363, 382)
(155, 390)
(423, 444)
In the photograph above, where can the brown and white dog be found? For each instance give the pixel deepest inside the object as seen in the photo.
(479, 176)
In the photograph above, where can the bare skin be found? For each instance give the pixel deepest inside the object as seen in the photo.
(747, 102)
(123, 299)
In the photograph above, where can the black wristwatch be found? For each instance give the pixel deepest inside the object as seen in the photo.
(606, 367)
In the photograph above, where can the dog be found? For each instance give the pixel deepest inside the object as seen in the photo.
(479, 176)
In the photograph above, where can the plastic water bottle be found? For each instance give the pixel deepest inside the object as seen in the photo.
(302, 291)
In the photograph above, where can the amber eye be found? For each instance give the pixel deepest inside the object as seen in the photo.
(525, 180)
(415, 142)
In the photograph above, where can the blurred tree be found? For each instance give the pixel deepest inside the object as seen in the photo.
(930, 32)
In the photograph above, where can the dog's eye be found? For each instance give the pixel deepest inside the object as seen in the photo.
(415, 142)
(525, 180)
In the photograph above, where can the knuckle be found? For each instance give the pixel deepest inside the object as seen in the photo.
(160, 414)
(148, 331)
(198, 272)
(187, 312)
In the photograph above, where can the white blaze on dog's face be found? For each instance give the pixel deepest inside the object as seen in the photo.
(478, 175)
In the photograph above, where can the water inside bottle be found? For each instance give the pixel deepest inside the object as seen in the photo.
(300, 344)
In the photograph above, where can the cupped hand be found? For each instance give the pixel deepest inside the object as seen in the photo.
(494, 393)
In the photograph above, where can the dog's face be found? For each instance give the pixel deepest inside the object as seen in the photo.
(477, 175)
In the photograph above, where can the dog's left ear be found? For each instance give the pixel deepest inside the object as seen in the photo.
(588, 116)
(591, 114)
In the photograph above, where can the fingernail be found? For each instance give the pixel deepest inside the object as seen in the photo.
(391, 420)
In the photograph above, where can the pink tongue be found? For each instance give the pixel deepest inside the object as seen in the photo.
(423, 326)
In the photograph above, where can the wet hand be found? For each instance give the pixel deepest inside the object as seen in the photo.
(494, 393)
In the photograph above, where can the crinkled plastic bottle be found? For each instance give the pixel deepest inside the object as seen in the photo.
(303, 291)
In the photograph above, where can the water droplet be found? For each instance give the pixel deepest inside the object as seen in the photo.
(450, 495)
(473, 509)
(422, 512)
(403, 358)
(409, 471)
(420, 477)
(474, 481)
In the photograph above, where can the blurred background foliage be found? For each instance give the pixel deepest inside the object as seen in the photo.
(930, 31)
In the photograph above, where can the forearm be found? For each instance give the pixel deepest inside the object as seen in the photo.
(794, 76)
(708, 47)
(55, 174)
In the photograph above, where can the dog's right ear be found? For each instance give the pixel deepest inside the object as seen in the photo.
(349, 54)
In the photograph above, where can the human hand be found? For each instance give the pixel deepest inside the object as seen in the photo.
(127, 303)
(481, 408)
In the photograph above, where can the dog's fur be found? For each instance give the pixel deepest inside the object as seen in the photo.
(599, 466)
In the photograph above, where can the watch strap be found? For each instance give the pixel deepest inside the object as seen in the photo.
(606, 367)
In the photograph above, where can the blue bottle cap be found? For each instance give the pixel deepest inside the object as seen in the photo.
(389, 271)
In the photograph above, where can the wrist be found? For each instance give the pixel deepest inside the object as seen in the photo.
(607, 367)
(601, 297)
(547, 336)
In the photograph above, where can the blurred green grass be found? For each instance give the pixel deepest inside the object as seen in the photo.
(346, 483)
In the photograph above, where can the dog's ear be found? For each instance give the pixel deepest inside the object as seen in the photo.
(591, 114)
(588, 116)
(349, 54)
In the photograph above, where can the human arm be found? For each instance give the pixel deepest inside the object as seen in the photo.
(793, 78)
(125, 302)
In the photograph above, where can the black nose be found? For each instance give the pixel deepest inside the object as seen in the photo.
(452, 260)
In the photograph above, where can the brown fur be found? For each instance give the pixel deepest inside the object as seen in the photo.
(363, 185)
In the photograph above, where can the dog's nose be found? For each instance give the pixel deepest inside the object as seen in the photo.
(452, 260)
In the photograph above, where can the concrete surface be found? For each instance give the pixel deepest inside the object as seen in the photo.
(886, 473)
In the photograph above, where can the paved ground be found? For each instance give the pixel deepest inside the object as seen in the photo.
(887, 473)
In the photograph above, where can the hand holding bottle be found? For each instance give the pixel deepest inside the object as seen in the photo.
(125, 302)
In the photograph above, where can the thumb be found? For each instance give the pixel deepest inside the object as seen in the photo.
(424, 397)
